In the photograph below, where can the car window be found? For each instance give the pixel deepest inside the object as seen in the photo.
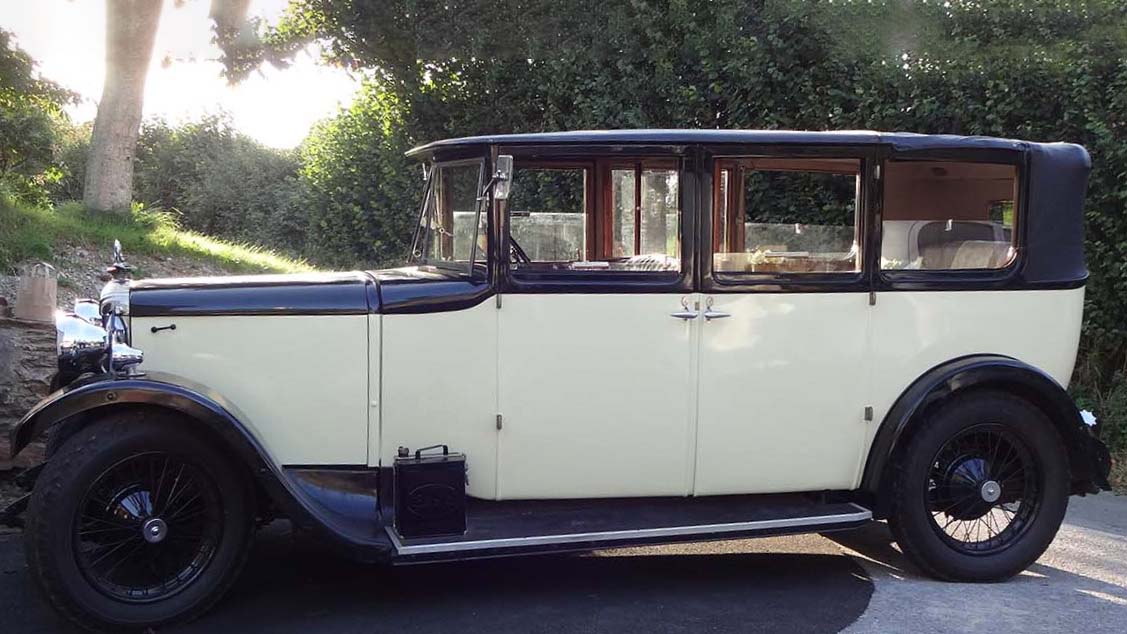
(790, 216)
(947, 215)
(619, 216)
(450, 224)
(547, 213)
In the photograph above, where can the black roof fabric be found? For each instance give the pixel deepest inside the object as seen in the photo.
(896, 140)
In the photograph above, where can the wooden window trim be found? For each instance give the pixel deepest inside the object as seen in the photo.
(731, 240)
(605, 185)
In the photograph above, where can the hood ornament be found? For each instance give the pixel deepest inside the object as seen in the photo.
(119, 269)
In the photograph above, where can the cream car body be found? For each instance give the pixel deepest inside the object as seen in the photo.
(639, 337)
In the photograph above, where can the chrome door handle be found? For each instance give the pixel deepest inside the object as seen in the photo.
(710, 314)
(687, 313)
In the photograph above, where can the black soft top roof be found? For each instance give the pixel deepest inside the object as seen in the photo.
(904, 141)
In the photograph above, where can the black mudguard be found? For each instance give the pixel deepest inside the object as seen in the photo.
(1089, 459)
(310, 497)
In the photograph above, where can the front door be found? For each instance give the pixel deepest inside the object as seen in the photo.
(784, 374)
(596, 350)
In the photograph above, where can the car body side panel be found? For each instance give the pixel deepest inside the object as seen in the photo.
(440, 387)
(300, 380)
(597, 392)
(916, 331)
(783, 386)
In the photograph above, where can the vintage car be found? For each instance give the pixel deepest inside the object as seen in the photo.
(599, 339)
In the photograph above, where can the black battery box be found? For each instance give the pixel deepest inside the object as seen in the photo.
(430, 492)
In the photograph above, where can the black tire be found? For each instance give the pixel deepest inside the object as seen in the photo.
(940, 458)
(63, 552)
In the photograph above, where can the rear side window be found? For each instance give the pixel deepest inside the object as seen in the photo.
(784, 215)
(947, 215)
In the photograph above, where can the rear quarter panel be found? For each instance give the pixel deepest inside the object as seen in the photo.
(916, 331)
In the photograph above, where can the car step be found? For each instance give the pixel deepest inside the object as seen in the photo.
(497, 529)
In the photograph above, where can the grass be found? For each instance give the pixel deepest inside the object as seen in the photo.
(33, 233)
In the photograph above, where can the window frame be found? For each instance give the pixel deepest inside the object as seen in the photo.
(600, 160)
(467, 268)
(957, 279)
(719, 157)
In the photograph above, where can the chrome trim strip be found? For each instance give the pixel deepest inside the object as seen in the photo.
(861, 515)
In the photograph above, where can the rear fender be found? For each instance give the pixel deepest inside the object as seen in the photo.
(1088, 458)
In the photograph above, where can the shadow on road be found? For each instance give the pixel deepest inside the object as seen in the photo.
(292, 584)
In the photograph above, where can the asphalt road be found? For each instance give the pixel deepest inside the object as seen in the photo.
(857, 582)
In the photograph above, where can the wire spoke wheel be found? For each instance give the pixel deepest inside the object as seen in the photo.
(983, 490)
(147, 527)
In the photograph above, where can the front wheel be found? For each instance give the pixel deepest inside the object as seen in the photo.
(136, 522)
(981, 489)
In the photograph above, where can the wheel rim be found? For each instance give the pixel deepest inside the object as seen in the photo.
(147, 527)
(983, 490)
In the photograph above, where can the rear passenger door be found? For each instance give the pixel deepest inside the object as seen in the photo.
(784, 369)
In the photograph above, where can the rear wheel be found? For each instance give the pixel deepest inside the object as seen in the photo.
(137, 522)
(981, 489)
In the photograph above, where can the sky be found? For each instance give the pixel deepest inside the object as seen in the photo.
(276, 107)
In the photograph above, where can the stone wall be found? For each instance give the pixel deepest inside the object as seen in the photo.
(27, 364)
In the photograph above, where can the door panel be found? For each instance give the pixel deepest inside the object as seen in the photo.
(597, 396)
(783, 385)
(440, 387)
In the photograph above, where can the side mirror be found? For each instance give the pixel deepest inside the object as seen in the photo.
(503, 177)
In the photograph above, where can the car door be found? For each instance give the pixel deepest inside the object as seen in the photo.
(784, 374)
(437, 338)
(595, 330)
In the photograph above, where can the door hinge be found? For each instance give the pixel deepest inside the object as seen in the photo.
(872, 298)
(498, 301)
(868, 413)
(500, 422)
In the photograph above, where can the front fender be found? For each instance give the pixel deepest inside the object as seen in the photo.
(302, 504)
(158, 389)
(1088, 458)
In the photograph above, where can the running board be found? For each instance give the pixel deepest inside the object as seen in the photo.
(499, 529)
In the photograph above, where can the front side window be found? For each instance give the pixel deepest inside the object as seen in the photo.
(778, 215)
(948, 215)
(595, 216)
(548, 213)
(451, 232)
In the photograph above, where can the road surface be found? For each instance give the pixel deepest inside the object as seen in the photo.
(854, 582)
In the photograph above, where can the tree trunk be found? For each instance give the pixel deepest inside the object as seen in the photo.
(131, 28)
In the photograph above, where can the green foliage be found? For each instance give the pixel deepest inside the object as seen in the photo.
(221, 182)
(363, 191)
(30, 115)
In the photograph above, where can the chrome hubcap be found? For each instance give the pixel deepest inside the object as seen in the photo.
(154, 530)
(991, 491)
